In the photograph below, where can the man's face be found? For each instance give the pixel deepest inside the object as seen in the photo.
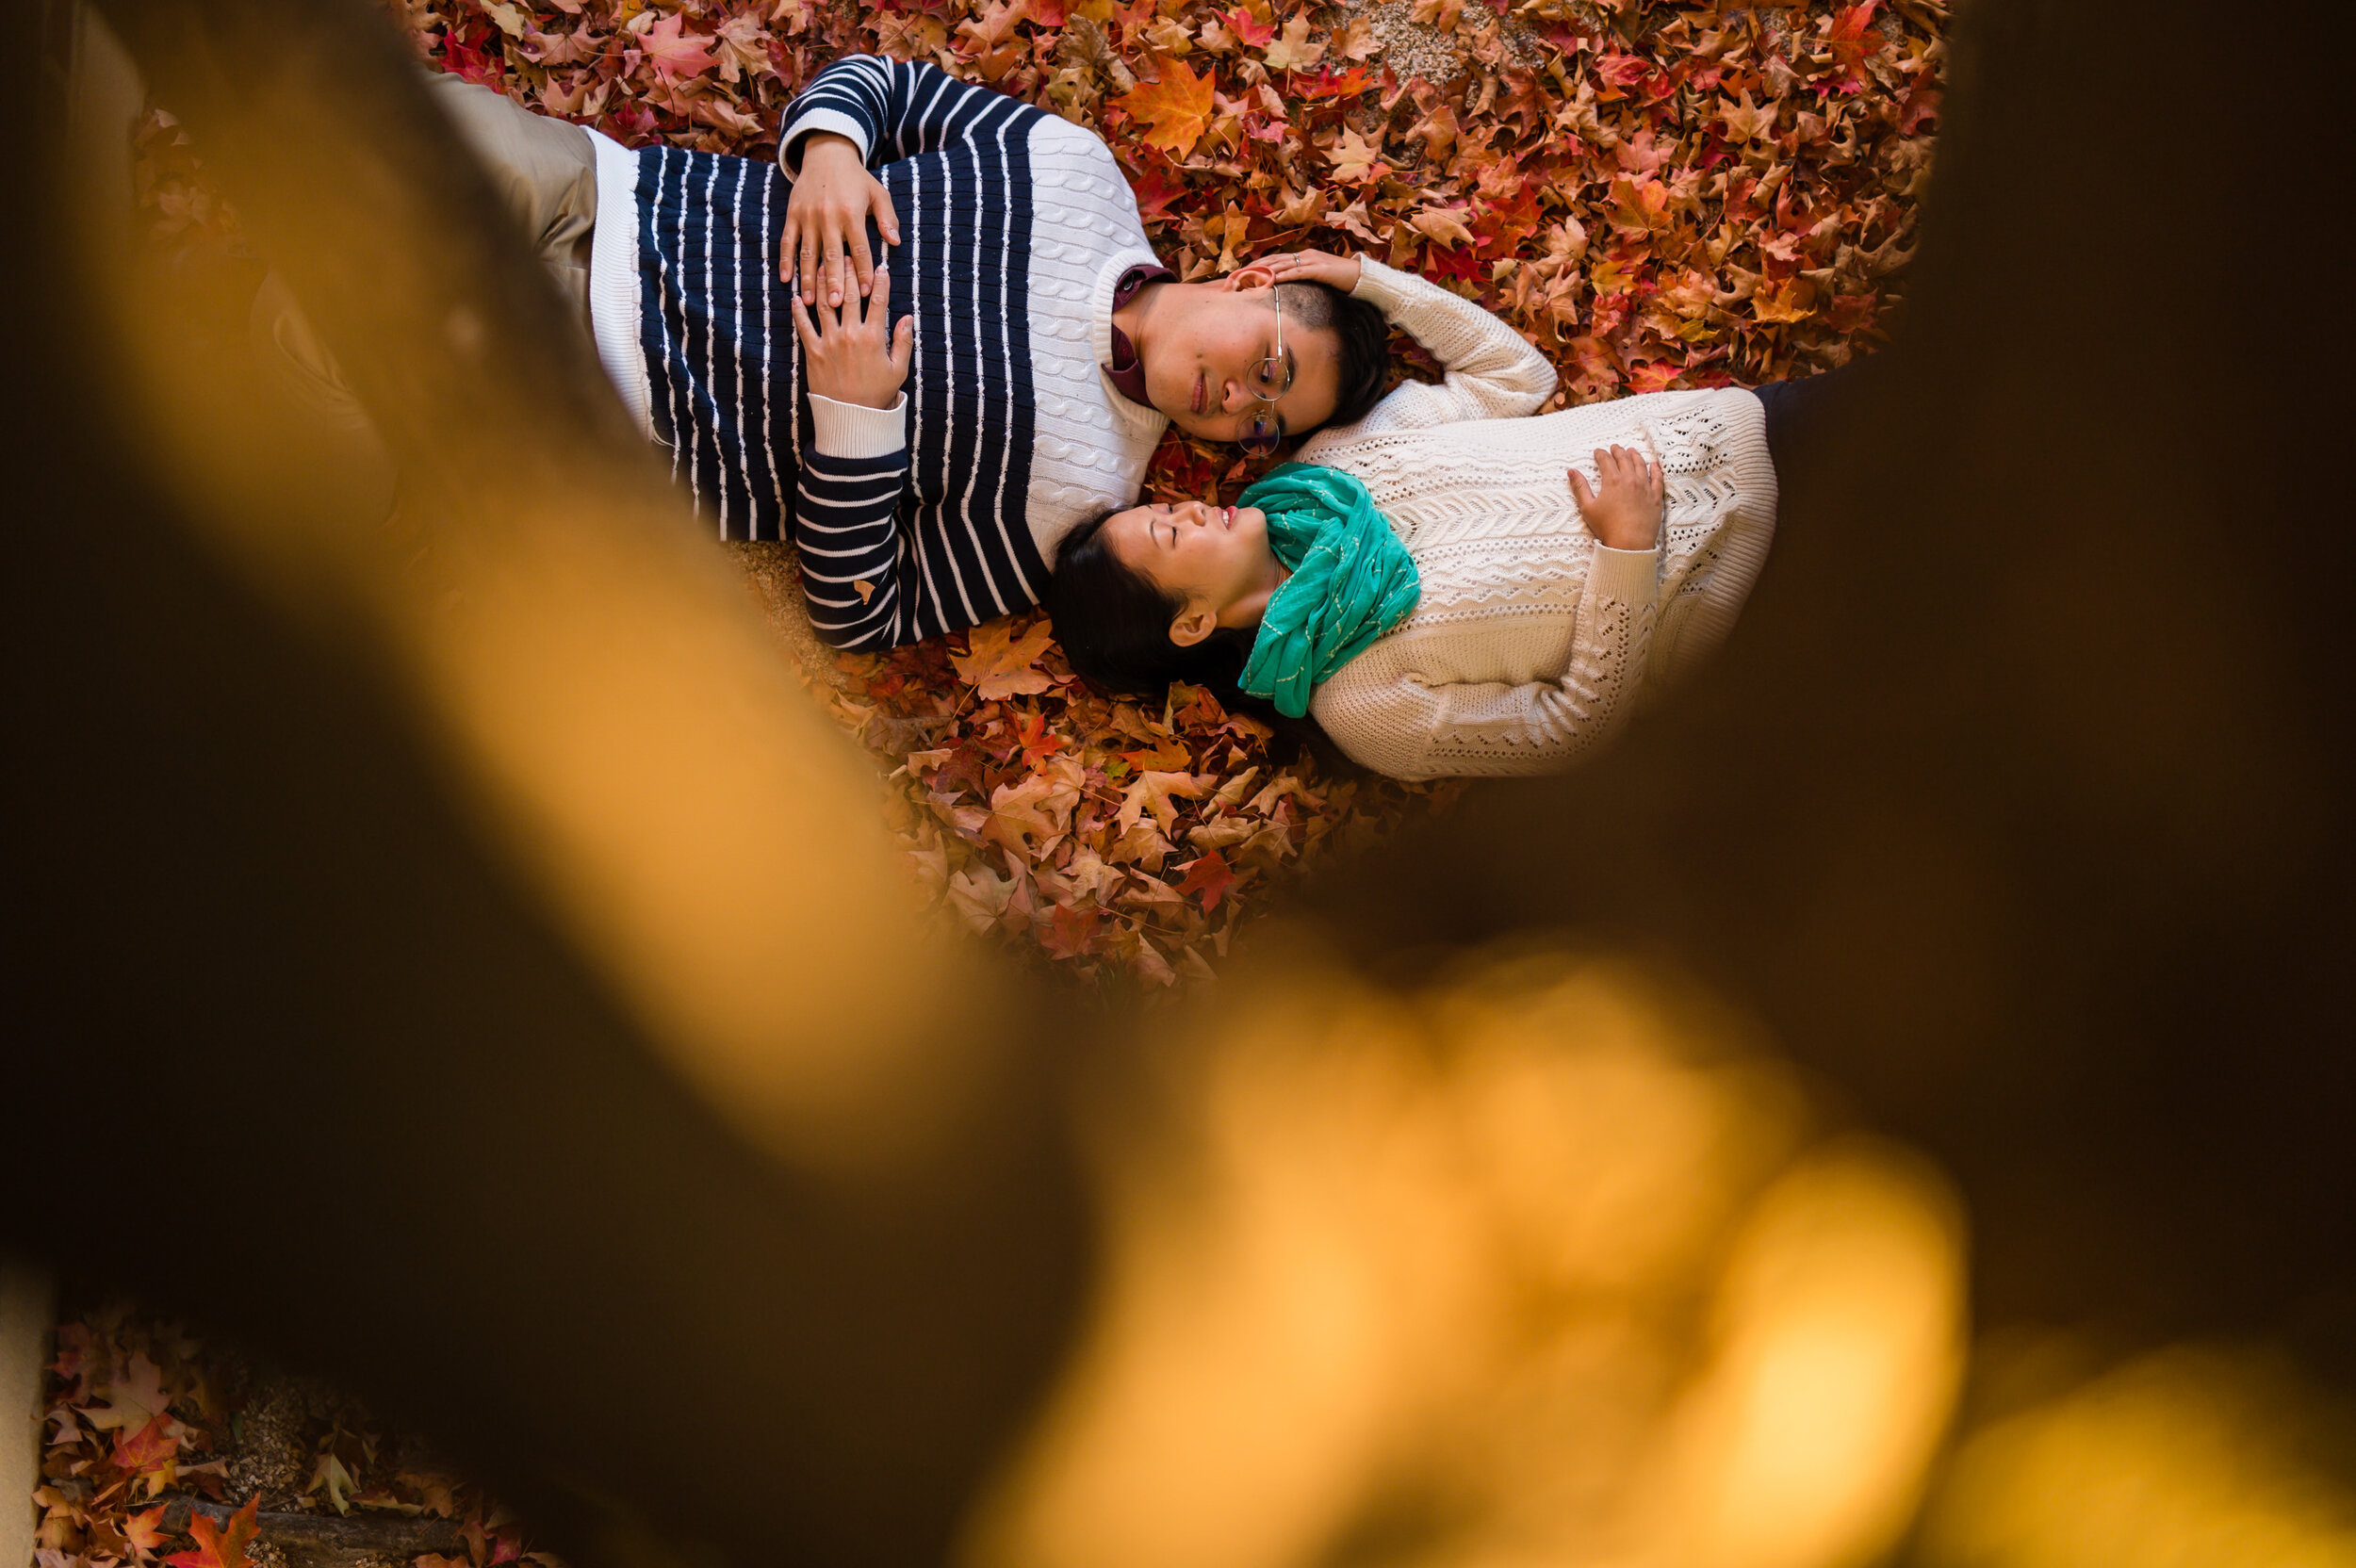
(1201, 369)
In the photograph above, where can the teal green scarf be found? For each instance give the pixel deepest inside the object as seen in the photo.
(1351, 582)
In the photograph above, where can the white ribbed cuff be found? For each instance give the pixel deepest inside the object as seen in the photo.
(790, 159)
(1632, 576)
(1378, 285)
(854, 430)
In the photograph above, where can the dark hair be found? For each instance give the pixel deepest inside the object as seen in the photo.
(1364, 363)
(1114, 621)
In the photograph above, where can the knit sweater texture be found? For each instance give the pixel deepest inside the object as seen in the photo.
(1531, 641)
(946, 510)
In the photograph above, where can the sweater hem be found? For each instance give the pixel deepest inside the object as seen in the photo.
(613, 301)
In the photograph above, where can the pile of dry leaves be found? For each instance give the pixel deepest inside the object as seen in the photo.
(1657, 196)
(156, 1448)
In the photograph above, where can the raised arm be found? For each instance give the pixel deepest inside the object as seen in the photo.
(1491, 371)
(890, 109)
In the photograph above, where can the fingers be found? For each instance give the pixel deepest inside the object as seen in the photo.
(833, 260)
(904, 344)
(879, 204)
(788, 248)
(808, 274)
(1580, 492)
(802, 327)
(864, 262)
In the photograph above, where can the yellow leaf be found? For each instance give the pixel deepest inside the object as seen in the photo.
(1292, 50)
(1358, 161)
(999, 665)
(1442, 224)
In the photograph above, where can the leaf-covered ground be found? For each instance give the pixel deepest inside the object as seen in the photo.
(140, 1420)
(1657, 196)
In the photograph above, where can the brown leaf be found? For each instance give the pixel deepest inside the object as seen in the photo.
(1000, 664)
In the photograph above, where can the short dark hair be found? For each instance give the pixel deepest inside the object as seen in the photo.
(1364, 364)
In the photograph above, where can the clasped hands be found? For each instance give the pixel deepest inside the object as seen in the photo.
(849, 351)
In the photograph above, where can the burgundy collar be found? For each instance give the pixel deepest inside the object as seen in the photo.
(1127, 370)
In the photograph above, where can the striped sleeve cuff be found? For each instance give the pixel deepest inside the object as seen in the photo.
(856, 431)
(819, 118)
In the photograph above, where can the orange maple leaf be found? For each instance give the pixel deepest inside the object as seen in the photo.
(218, 1546)
(999, 663)
(151, 1447)
(145, 1531)
(1038, 746)
(1174, 111)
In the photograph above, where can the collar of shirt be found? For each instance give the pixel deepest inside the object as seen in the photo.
(1127, 370)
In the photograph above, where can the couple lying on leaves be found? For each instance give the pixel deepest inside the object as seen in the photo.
(935, 350)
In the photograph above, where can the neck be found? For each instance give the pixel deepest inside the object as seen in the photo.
(1251, 608)
(1136, 320)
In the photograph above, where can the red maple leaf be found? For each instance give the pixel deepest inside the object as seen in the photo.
(1155, 191)
(1241, 23)
(1327, 82)
(1070, 930)
(1852, 43)
(1209, 876)
(216, 1545)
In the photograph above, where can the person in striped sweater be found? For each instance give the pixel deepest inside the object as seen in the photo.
(982, 350)
(1027, 350)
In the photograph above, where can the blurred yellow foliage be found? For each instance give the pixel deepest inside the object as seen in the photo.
(1537, 1264)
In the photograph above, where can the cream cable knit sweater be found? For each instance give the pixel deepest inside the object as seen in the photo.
(1531, 642)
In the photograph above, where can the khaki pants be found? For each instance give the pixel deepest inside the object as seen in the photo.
(545, 174)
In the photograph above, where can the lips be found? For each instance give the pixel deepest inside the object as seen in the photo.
(1227, 517)
(1194, 404)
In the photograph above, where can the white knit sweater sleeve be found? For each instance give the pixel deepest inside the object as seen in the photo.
(1389, 713)
(1491, 371)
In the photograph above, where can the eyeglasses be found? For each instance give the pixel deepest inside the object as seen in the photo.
(1270, 380)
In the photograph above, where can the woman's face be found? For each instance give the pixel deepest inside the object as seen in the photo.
(1214, 558)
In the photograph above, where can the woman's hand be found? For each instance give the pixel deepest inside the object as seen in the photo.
(1622, 510)
(851, 355)
(1313, 267)
(826, 220)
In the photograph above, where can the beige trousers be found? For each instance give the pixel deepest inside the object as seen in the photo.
(545, 173)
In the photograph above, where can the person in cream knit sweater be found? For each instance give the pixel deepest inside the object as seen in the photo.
(1553, 567)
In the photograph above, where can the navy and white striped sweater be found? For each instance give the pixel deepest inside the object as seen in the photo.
(1014, 226)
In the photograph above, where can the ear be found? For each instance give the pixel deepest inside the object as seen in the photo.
(1193, 624)
(1253, 275)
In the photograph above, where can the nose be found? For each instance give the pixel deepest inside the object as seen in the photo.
(1235, 397)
